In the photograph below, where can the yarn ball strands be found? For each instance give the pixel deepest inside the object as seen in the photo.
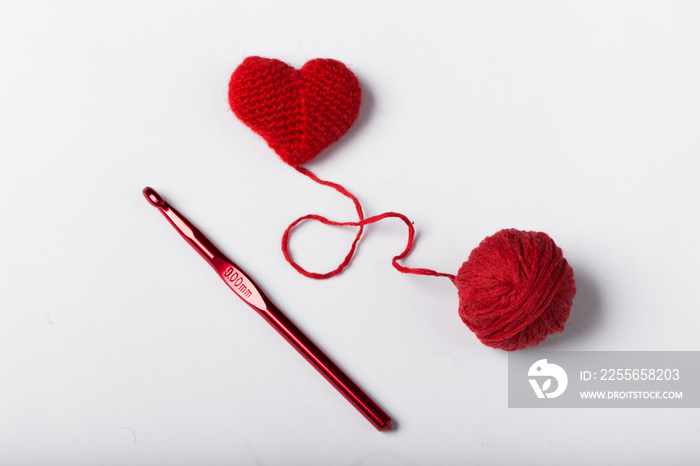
(515, 289)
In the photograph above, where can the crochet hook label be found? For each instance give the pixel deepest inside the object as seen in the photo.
(243, 287)
(604, 379)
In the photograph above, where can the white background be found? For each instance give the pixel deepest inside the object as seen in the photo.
(118, 344)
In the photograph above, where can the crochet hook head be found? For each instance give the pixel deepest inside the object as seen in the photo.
(189, 232)
(153, 197)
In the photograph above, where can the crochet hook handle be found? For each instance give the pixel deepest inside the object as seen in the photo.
(246, 289)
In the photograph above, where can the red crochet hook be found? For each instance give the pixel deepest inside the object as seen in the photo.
(249, 292)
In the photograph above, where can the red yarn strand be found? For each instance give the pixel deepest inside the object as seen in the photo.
(353, 246)
(361, 224)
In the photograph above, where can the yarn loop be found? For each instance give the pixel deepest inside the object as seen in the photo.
(361, 224)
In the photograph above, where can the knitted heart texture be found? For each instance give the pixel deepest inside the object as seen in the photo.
(297, 112)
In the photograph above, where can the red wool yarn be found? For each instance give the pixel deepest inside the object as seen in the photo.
(515, 289)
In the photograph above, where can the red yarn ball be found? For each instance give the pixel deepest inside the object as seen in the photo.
(515, 289)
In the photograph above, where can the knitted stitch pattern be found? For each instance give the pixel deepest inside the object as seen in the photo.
(298, 112)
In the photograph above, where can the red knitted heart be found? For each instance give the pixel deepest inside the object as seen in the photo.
(298, 112)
